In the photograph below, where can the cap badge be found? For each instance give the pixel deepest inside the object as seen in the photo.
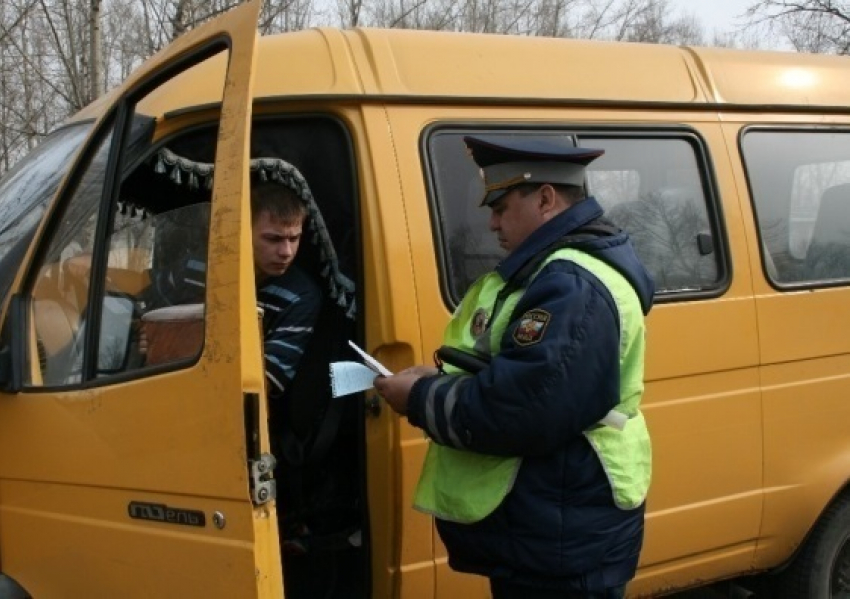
(532, 325)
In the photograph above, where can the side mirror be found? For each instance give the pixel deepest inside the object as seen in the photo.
(5, 368)
(115, 334)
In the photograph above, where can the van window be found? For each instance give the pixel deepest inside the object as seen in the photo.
(89, 314)
(654, 188)
(27, 190)
(800, 184)
(651, 185)
(60, 291)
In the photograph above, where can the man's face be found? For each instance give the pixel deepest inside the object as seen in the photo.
(514, 217)
(275, 245)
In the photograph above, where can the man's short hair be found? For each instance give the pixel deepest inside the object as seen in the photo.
(572, 194)
(279, 201)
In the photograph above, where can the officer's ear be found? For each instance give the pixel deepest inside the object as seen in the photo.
(550, 202)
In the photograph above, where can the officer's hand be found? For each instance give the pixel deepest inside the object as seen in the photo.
(421, 370)
(396, 389)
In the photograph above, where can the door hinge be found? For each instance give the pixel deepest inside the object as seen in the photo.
(260, 465)
(263, 485)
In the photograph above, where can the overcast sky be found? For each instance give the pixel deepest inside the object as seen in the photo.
(714, 14)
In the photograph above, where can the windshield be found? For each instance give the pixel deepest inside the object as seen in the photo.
(25, 192)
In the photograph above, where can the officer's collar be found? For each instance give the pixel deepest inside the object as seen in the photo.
(548, 233)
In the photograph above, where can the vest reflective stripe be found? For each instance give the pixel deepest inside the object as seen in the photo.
(463, 486)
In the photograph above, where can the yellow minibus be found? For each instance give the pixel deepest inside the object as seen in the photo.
(139, 456)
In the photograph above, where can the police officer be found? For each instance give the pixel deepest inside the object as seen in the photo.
(539, 461)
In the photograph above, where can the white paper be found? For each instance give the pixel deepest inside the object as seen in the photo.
(370, 361)
(350, 377)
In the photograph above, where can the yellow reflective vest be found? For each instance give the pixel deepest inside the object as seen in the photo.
(463, 486)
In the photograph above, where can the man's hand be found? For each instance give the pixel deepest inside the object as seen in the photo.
(396, 389)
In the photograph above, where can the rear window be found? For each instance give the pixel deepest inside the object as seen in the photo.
(800, 186)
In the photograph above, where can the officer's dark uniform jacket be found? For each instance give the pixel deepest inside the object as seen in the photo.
(558, 526)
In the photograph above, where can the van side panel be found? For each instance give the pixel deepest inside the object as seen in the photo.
(805, 376)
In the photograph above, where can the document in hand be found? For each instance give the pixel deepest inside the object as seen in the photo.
(351, 377)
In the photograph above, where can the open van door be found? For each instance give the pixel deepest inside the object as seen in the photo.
(133, 449)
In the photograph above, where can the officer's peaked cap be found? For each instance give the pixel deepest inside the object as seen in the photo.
(507, 161)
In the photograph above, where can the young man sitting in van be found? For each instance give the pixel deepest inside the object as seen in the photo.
(291, 302)
(290, 299)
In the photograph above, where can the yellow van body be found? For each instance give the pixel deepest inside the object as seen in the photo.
(149, 482)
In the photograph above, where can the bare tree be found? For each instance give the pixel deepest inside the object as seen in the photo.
(95, 74)
(349, 12)
(28, 90)
(286, 15)
(808, 25)
(653, 28)
(410, 14)
(552, 17)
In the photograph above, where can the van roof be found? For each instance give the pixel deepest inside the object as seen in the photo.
(395, 65)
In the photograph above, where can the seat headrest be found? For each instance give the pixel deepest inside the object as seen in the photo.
(833, 220)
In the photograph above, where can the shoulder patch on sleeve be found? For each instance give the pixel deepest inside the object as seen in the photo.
(532, 326)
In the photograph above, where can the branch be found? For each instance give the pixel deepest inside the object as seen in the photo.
(63, 59)
(6, 31)
(762, 11)
(399, 20)
(38, 72)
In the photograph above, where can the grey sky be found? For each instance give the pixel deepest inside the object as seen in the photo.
(713, 14)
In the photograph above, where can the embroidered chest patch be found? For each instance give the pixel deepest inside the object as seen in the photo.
(478, 323)
(531, 327)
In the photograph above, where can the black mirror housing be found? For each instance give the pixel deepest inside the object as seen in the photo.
(12, 350)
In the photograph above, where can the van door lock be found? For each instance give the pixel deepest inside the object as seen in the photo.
(263, 485)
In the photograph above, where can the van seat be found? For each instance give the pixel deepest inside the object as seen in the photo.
(57, 328)
(127, 280)
(828, 256)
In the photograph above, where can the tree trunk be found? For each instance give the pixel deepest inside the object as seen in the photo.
(95, 52)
